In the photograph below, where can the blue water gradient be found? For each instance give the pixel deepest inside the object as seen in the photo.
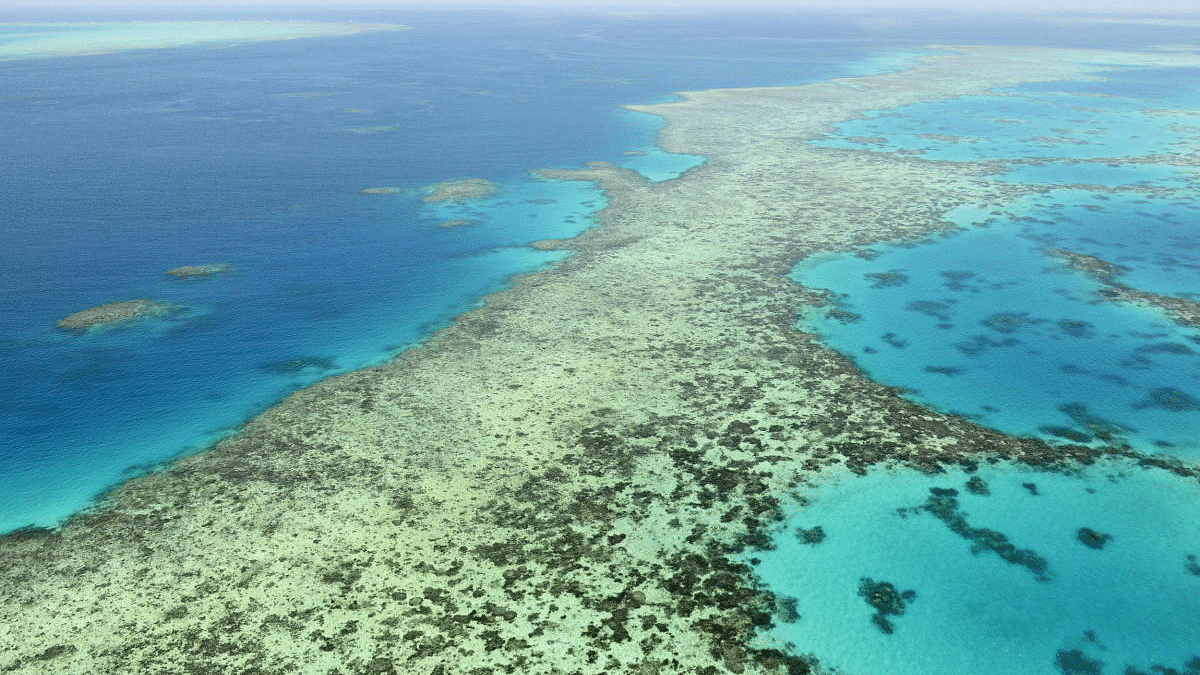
(119, 167)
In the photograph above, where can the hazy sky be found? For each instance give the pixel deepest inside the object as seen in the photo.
(1056, 6)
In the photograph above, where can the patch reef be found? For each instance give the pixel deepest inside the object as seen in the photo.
(113, 312)
(559, 481)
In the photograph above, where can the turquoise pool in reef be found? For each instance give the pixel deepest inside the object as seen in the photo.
(1005, 569)
(985, 323)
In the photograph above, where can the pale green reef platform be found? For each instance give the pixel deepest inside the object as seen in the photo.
(41, 40)
(561, 480)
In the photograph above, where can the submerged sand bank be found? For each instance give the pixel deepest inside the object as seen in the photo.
(43, 40)
(555, 482)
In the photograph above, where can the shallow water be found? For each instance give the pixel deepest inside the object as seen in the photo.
(986, 323)
(1088, 586)
(33, 40)
(1040, 572)
(1091, 173)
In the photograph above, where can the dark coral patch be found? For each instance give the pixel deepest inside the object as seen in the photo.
(298, 365)
(814, 535)
(1077, 329)
(939, 310)
(888, 279)
(1068, 433)
(886, 600)
(1075, 662)
(943, 505)
(1091, 538)
(1169, 399)
(1009, 322)
(948, 371)
(978, 486)
(956, 279)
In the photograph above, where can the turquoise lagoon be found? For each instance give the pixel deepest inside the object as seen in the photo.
(1008, 569)
(1093, 582)
(986, 324)
(985, 321)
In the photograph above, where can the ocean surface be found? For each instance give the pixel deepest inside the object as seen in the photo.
(124, 165)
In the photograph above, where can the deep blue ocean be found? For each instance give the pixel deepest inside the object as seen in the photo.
(119, 167)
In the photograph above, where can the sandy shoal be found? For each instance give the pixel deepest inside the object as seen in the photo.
(31, 40)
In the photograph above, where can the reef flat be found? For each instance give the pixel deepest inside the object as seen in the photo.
(43, 40)
(113, 312)
(562, 480)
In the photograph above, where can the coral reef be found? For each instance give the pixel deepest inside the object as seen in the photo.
(460, 190)
(114, 312)
(186, 271)
(1091, 538)
(886, 600)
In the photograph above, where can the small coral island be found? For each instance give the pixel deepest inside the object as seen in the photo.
(114, 312)
(460, 190)
(187, 271)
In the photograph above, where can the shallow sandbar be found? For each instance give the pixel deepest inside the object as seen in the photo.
(41, 40)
